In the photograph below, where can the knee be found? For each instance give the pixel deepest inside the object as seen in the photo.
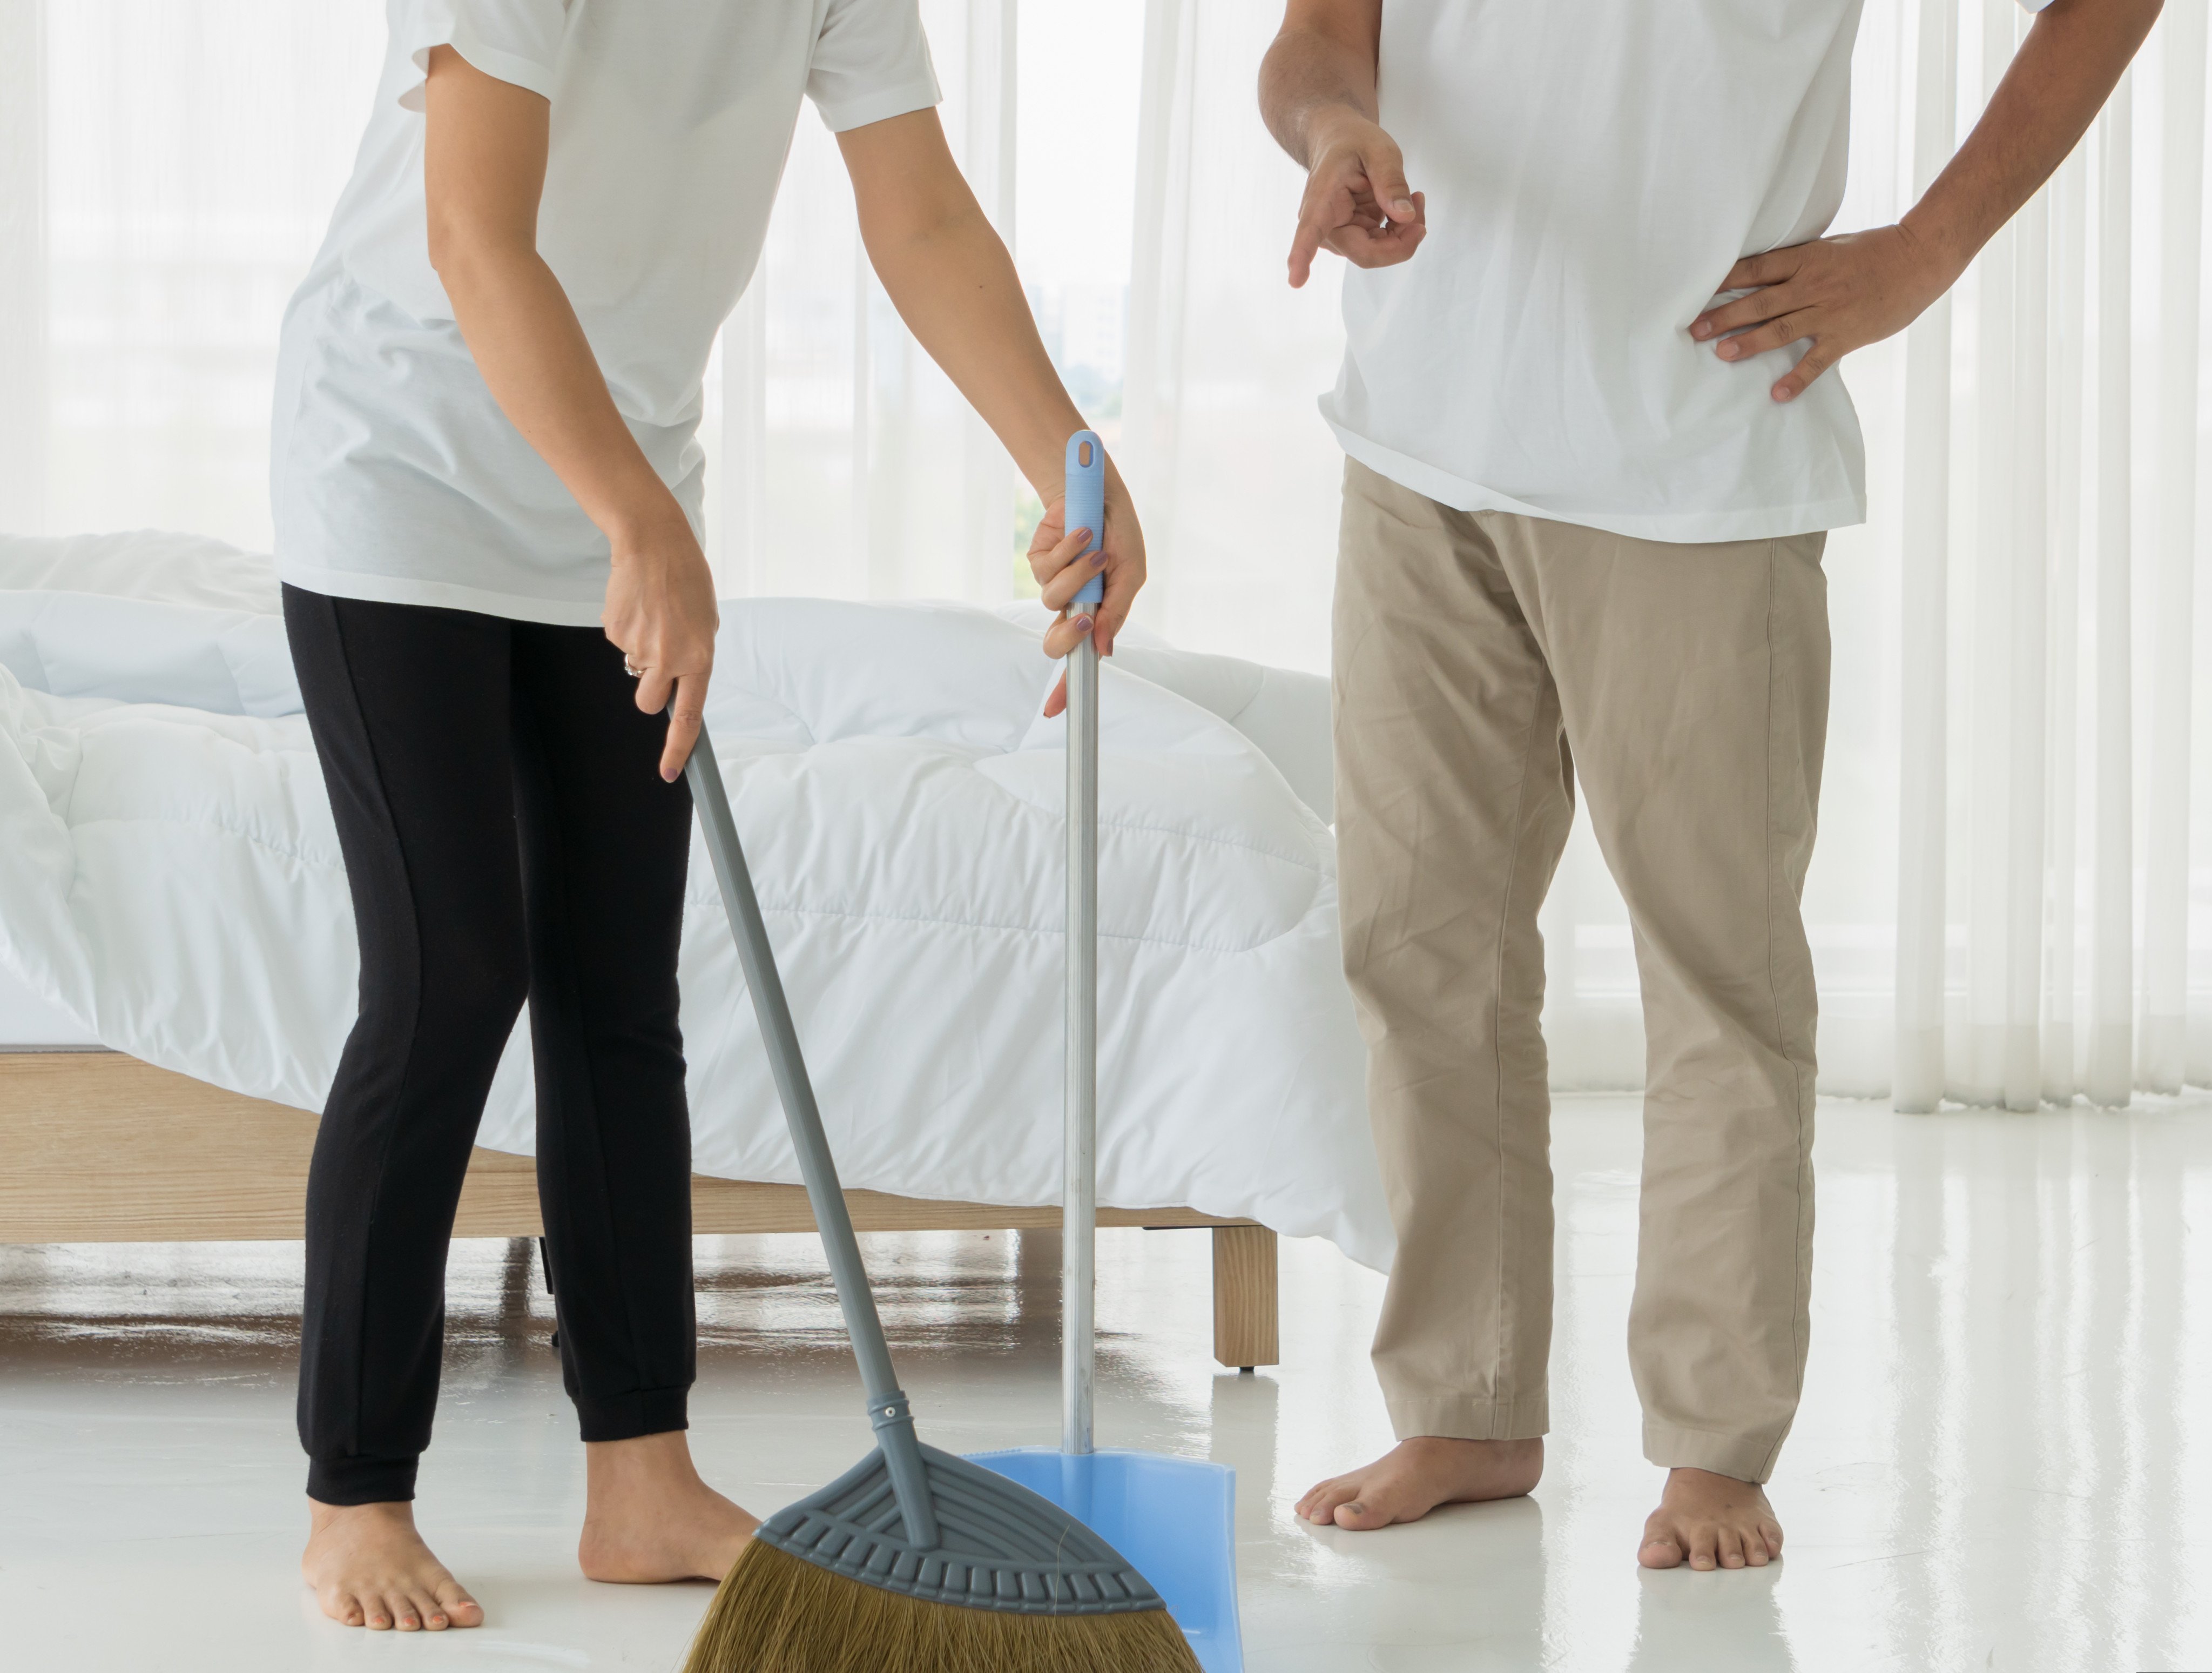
(461, 999)
(480, 991)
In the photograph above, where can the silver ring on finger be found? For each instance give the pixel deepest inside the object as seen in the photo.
(632, 669)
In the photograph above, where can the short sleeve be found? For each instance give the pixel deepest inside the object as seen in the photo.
(515, 40)
(870, 62)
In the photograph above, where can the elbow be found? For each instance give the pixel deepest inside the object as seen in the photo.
(451, 241)
(442, 241)
(462, 252)
(917, 233)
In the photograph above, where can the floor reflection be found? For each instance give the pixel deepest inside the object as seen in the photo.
(1993, 1468)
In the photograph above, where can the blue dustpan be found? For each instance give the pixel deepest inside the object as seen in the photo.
(1174, 1519)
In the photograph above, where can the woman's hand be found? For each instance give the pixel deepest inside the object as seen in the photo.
(660, 611)
(1060, 575)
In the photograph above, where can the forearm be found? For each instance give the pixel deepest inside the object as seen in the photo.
(947, 272)
(535, 359)
(2066, 70)
(1310, 77)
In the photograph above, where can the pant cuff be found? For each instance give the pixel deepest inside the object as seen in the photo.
(1746, 1458)
(360, 1481)
(1464, 1417)
(627, 1416)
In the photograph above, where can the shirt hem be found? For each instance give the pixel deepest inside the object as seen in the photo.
(1677, 527)
(440, 595)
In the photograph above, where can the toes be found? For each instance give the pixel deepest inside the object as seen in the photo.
(426, 1609)
(343, 1608)
(1322, 1504)
(404, 1617)
(1754, 1550)
(1703, 1556)
(1728, 1546)
(1662, 1551)
(1361, 1517)
(1772, 1533)
(458, 1607)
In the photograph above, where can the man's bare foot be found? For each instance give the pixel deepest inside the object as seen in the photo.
(650, 1518)
(1418, 1475)
(1710, 1521)
(369, 1567)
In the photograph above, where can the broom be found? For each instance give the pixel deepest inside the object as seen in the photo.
(913, 1560)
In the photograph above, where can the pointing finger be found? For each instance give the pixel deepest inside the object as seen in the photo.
(1306, 243)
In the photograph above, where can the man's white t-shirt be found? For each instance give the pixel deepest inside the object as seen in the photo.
(395, 475)
(1592, 168)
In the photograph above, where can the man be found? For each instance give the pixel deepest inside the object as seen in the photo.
(1593, 460)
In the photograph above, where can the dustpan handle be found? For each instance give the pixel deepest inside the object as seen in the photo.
(887, 1403)
(1083, 506)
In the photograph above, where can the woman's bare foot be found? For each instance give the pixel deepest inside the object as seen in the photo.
(369, 1567)
(1710, 1521)
(650, 1518)
(1418, 1475)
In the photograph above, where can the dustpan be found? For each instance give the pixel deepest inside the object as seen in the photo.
(1174, 1519)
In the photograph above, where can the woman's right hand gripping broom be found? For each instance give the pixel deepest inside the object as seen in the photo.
(1056, 560)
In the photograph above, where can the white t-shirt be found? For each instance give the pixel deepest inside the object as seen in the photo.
(395, 476)
(1592, 169)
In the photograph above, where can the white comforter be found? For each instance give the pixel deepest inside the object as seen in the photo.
(169, 876)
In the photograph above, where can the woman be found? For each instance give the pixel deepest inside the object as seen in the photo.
(487, 492)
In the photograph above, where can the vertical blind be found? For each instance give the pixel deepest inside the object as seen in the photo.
(2012, 898)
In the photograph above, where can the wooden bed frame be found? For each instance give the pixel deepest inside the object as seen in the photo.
(97, 1147)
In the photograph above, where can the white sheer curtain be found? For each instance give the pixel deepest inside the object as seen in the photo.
(2013, 895)
(847, 464)
(167, 166)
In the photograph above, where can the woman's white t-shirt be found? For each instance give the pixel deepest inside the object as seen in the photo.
(395, 476)
(1592, 170)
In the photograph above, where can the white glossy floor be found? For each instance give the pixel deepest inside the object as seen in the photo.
(1995, 1467)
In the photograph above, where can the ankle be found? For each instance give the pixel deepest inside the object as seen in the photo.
(646, 1466)
(393, 1511)
(1494, 1449)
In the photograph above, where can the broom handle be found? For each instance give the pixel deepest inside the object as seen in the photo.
(1085, 507)
(887, 1404)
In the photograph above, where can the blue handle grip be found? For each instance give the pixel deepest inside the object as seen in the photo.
(1085, 501)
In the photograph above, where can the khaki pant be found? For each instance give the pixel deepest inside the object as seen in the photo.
(1485, 660)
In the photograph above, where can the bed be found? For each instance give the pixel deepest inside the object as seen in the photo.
(173, 910)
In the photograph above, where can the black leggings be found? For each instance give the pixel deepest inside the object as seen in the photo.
(507, 836)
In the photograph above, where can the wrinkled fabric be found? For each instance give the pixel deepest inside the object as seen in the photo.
(169, 875)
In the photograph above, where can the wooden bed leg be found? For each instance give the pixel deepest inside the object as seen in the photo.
(1244, 1318)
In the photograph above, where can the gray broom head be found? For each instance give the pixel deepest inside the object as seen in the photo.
(1000, 1547)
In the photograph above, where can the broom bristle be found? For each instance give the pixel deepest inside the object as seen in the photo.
(776, 1613)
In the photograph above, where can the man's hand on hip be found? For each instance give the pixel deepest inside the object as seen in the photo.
(1840, 293)
(1357, 201)
(1845, 293)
